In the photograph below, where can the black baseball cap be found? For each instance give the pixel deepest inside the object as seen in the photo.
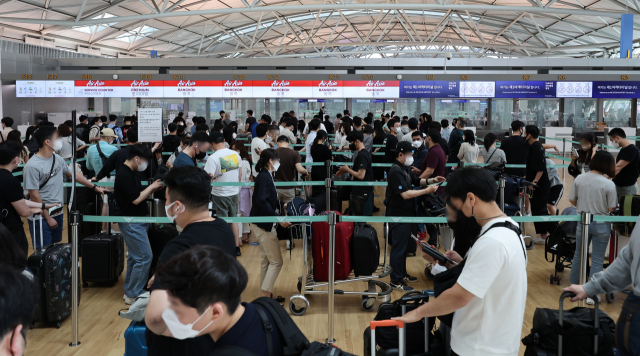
(403, 147)
(216, 137)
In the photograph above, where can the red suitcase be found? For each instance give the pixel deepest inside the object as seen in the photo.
(344, 233)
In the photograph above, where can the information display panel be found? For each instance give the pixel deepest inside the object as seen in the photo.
(616, 90)
(371, 89)
(429, 89)
(59, 89)
(282, 89)
(30, 88)
(477, 89)
(327, 89)
(528, 89)
(573, 89)
(237, 89)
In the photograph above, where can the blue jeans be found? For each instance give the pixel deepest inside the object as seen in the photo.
(139, 260)
(49, 235)
(599, 234)
(620, 352)
(400, 237)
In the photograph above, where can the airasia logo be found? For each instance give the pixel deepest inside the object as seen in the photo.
(187, 83)
(97, 83)
(327, 84)
(279, 83)
(377, 83)
(141, 83)
(234, 83)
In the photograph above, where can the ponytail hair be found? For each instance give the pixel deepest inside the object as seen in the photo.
(265, 156)
(489, 140)
(321, 135)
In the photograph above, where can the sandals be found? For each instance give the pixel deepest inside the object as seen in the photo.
(279, 299)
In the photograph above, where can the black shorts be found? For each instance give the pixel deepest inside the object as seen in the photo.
(555, 193)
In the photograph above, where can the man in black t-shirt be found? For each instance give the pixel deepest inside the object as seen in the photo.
(188, 191)
(627, 163)
(206, 285)
(171, 142)
(536, 173)
(392, 141)
(361, 172)
(516, 148)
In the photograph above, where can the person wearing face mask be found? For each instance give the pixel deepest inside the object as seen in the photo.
(627, 163)
(392, 141)
(130, 196)
(187, 192)
(11, 199)
(94, 132)
(361, 172)
(321, 153)
(199, 144)
(401, 202)
(272, 136)
(19, 297)
(434, 162)
(265, 203)
(208, 303)
(536, 173)
(412, 126)
(258, 145)
(171, 141)
(43, 182)
(314, 128)
(404, 126)
(491, 290)
(224, 166)
(420, 150)
(97, 155)
(117, 159)
(580, 163)
(287, 130)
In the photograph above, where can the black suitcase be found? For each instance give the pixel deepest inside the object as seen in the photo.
(86, 229)
(51, 267)
(335, 204)
(365, 250)
(103, 259)
(159, 237)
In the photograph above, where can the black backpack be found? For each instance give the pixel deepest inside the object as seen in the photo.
(293, 340)
(32, 146)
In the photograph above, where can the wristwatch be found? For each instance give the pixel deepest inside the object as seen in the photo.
(43, 206)
(94, 187)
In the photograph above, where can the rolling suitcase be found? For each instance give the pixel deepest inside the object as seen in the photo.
(134, 342)
(103, 259)
(365, 250)
(51, 267)
(320, 250)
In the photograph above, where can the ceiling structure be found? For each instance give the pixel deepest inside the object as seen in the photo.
(324, 28)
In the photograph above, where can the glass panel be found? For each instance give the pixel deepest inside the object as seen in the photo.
(197, 105)
(501, 114)
(239, 105)
(311, 107)
(360, 107)
(539, 112)
(413, 107)
(617, 112)
(474, 110)
(170, 107)
(580, 113)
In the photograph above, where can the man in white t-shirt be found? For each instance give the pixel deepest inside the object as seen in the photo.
(313, 126)
(490, 294)
(258, 144)
(320, 127)
(224, 165)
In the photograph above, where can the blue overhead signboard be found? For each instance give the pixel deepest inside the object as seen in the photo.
(429, 89)
(528, 89)
(616, 90)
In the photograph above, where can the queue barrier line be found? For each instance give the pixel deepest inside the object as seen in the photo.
(558, 157)
(112, 144)
(349, 218)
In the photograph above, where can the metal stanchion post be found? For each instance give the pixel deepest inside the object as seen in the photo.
(327, 185)
(502, 182)
(563, 153)
(332, 260)
(585, 219)
(76, 218)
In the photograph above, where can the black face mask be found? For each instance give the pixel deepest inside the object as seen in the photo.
(466, 230)
(201, 155)
(352, 146)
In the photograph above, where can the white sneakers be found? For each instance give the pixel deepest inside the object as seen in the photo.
(591, 302)
(128, 300)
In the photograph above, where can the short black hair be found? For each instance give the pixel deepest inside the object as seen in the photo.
(7, 121)
(435, 135)
(44, 133)
(604, 163)
(274, 128)
(103, 118)
(516, 125)
(355, 135)
(444, 123)
(199, 136)
(202, 276)
(9, 150)
(472, 180)
(345, 112)
(314, 125)
(261, 130)
(222, 112)
(434, 125)
(139, 150)
(266, 118)
(367, 129)
(191, 185)
(113, 117)
(532, 130)
(132, 134)
(172, 127)
(369, 119)
(357, 121)
(404, 122)
(250, 112)
(413, 123)
(18, 297)
(617, 132)
(82, 118)
(338, 116)
(416, 133)
(282, 138)
(202, 127)
(94, 120)
(291, 122)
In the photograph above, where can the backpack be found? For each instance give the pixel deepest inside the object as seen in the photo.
(32, 146)
(82, 132)
(293, 340)
(298, 207)
(431, 205)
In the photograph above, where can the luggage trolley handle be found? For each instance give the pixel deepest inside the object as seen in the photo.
(565, 295)
(397, 323)
(34, 231)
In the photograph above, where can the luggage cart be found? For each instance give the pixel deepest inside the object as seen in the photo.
(376, 288)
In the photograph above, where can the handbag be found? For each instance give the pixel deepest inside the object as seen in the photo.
(628, 326)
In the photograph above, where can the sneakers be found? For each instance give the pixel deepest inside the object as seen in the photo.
(128, 300)
(410, 279)
(591, 302)
(238, 252)
(290, 245)
(539, 240)
(401, 286)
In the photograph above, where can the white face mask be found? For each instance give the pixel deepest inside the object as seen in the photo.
(408, 161)
(179, 330)
(268, 139)
(614, 144)
(100, 124)
(586, 148)
(416, 144)
(276, 166)
(405, 130)
(234, 135)
(168, 207)
(142, 166)
(398, 129)
(57, 146)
